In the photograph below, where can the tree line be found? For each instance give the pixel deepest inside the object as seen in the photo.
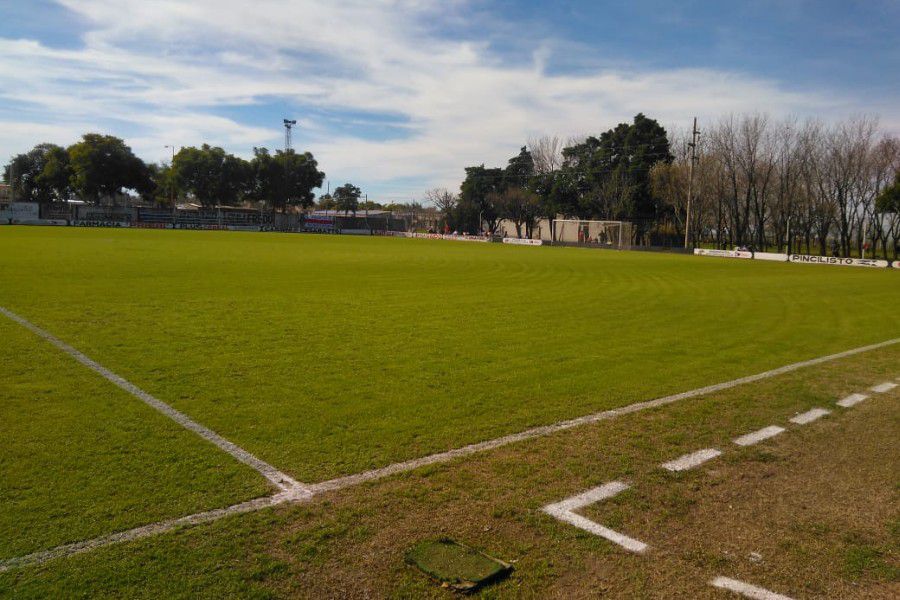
(787, 185)
(784, 185)
(605, 177)
(102, 167)
(781, 185)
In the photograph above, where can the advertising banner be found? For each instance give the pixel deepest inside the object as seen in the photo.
(834, 260)
(775, 257)
(523, 242)
(99, 223)
(723, 253)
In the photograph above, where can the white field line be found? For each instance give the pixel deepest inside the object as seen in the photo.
(758, 436)
(281, 480)
(145, 531)
(306, 492)
(884, 387)
(689, 461)
(630, 544)
(564, 511)
(401, 467)
(745, 589)
(852, 400)
(592, 496)
(810, 416)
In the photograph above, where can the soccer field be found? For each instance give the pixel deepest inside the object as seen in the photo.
(326, 356)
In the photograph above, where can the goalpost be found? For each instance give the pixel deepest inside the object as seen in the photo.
(610, 234)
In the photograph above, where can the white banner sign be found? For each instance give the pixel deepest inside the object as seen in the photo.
(455, 238)
(24, 211)
(770, 256)
(522, 241)
(723, 253)
(21, 212)
(833, 260)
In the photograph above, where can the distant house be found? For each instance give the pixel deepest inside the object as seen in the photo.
(5, 193)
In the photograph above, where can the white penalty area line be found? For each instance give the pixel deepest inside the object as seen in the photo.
(745, 589)
(851, 400)
(809, 416)
(565, 511)
(282, 481)
(758, 436)
(689, 461)
(884, 387)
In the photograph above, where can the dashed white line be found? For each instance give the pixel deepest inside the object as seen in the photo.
(745, 589)
(563, 511)
(884, 387)
(852, 400)
(689, 461)
(810, 416)
(758, 436)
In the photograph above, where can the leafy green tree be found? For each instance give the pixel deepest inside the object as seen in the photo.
(164, 189)
(519, 170)
(40, 175)
(211, 175)
(888, 201)
(326, 202)
(477, 199)
(285, 178)
(102, 166)
(56, 175)
(609, 177)
(346, 198)
(520, 206)
(370, 205)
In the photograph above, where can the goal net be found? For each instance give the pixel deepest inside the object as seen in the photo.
(611, 234)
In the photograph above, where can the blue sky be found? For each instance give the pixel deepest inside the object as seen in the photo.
(398, 96)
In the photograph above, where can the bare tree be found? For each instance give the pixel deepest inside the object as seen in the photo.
(443, 200)
(885, 220)
(546, 151)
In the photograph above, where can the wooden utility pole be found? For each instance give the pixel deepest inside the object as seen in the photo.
(695, 134)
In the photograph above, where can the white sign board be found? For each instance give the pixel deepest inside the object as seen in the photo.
(834, 260)
(24, 211)
(723, 253)
(522, 241)
(770, 256)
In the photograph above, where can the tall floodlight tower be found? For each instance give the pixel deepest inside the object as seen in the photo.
(288, 125)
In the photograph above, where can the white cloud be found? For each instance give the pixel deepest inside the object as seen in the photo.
(151, 71)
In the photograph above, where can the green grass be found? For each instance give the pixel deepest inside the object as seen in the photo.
(461, 567)
(81, 458)
(329, 355)
(353, 543)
